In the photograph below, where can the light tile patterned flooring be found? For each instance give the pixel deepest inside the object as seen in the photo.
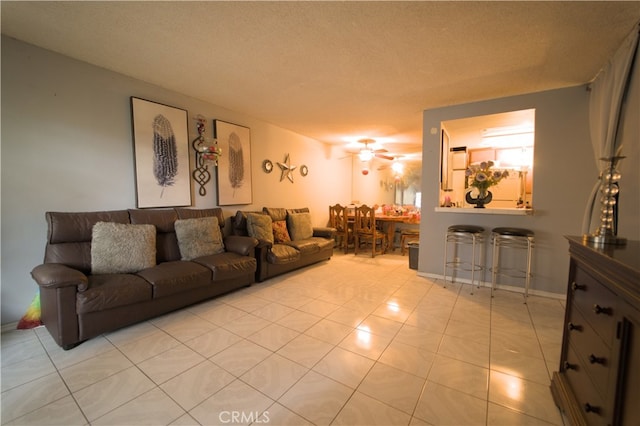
(352, 341)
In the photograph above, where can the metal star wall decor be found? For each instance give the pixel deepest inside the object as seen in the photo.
(287, 169)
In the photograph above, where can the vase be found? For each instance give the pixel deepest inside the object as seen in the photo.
(480, 201)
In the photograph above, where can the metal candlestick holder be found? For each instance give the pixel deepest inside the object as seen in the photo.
(606, 233)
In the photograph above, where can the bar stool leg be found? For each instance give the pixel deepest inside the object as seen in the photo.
(466, 235)
(512, 238)
(494, 263)
(446, 245)
(527, 281)
(473, 260)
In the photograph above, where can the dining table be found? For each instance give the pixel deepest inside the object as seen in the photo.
(389, 223)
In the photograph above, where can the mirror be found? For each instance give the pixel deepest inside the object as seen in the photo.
(408, 190)
(507, 139)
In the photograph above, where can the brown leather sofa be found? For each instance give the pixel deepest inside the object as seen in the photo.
(77, 305)
(278, 257)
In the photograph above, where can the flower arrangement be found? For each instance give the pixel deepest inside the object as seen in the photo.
(482, 177)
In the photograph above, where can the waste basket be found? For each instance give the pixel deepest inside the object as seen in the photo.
(414, 249)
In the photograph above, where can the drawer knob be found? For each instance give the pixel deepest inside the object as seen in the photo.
(591, 408)
(596, 360)
(575, 286)
(601, 310)
(576, 327)
(569, 366)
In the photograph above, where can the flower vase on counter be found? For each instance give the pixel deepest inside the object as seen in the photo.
(481, 177)
(482, 199)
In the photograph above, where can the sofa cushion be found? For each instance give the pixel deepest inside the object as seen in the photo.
(259, 227)
(118, 248)
(187, 213)
(300, 210)
(280, 232)
(78, 227)
(199, 237)
(323, 243)
(306, 246)
(239, 221)
(228, 265)
(175, 277)
(164, 220)
(282, 253)
(106, 291)
(299, 225)
(276, 213)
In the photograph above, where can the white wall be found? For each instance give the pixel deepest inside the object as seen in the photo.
(376, 187)
(67, 146)
(565, 172)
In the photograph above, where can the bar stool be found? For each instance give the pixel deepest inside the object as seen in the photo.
(511, 238)
(464, 235)
(407, 236)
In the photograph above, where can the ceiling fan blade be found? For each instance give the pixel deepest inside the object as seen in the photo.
(386, 157)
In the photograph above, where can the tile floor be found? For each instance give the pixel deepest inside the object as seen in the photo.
(352, 341)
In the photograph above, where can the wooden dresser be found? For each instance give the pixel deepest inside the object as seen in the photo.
(599, 373)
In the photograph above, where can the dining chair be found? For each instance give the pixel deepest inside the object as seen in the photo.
(407, 236)
(338, 219)
(366, 232)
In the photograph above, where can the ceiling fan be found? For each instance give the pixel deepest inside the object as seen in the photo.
(367, 154)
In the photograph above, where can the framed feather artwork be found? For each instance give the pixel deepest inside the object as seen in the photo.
(161, 148)
(234, 166)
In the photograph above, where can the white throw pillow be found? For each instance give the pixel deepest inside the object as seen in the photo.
(119, 248)
(199, 237)
(299, 225)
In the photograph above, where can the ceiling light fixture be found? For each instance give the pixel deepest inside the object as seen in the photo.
(507, 130)
(397, 167)
(514, 140)
(366, 153)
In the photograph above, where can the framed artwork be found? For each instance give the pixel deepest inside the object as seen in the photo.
(161, 150)
(234, 166)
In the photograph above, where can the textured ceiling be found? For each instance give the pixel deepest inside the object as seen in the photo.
(335, 70)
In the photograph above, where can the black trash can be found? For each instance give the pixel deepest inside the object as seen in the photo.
(414, 251)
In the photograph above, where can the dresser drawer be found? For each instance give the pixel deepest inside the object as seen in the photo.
(591, 403)
(594, 355)
(596, 303)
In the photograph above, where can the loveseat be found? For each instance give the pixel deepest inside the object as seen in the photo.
(105, 270)
(287, 239)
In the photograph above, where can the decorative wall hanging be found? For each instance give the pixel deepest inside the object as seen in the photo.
(287, 169)
(161, 148)
(304, 170)
(234, 168)
(207, 153)
(267, 166)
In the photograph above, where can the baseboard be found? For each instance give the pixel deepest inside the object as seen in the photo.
(466, 281)
(9, 327)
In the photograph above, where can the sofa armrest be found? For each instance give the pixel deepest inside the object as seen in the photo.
(324, 232)
(240, 244)
(265, 245)
(57, 275)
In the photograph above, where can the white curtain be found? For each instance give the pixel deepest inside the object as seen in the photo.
(605, 108)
